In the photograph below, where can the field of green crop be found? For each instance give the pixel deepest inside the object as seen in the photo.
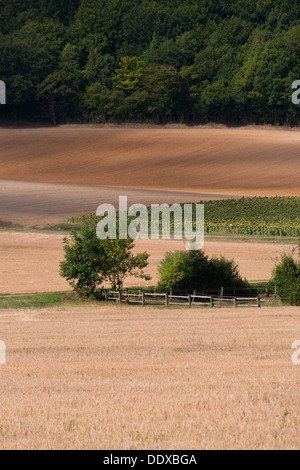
(274, 216)
(261, 216)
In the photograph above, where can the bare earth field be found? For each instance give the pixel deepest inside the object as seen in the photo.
(30, 260)
(240, 161)
(146, 378)
(49, 203)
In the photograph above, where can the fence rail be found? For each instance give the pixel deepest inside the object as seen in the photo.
(169, 298)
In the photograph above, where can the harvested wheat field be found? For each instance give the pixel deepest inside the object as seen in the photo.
(125, 377)
(30, 260)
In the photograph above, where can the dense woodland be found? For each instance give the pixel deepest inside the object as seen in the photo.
(193, 61)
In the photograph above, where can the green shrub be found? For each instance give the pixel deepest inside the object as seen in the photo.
(286, 277)
(192, 270)
(224, 273)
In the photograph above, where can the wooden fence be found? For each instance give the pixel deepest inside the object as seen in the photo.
(166, 299)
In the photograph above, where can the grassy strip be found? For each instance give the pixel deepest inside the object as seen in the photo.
(66, 227)
(60, 299)
(11, 225)
(56, 299)
(49, 299)
(56, 227)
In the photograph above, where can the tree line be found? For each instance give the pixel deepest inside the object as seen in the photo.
(190, 61)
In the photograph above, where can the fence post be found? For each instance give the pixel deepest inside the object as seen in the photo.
(143, 299)
(120, 297)
(211, 301)
(258, 302)
(190, 300)
(235, 302)
(167, 300)
(106, 296)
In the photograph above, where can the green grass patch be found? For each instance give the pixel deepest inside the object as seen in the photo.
(56, 227)
(64, 299)
(11, 225)
(49, 299)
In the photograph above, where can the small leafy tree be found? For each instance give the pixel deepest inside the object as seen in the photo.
(90, 261)
(121, 262)
(85, 261)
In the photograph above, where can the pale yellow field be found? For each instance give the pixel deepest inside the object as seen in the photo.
(144, 378)
(30, 260)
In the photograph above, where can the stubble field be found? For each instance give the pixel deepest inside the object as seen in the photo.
(145, 378)
(30, 260)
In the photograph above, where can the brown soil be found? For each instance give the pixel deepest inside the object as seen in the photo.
(47, 203)
(241, 161)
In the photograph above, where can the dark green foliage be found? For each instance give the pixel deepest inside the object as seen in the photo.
(90, 261)
(84, 265)
(192, 270)
(286, 278)
(202, 60)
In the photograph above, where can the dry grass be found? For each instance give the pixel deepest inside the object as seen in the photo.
(145, 378)
(30, 260)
